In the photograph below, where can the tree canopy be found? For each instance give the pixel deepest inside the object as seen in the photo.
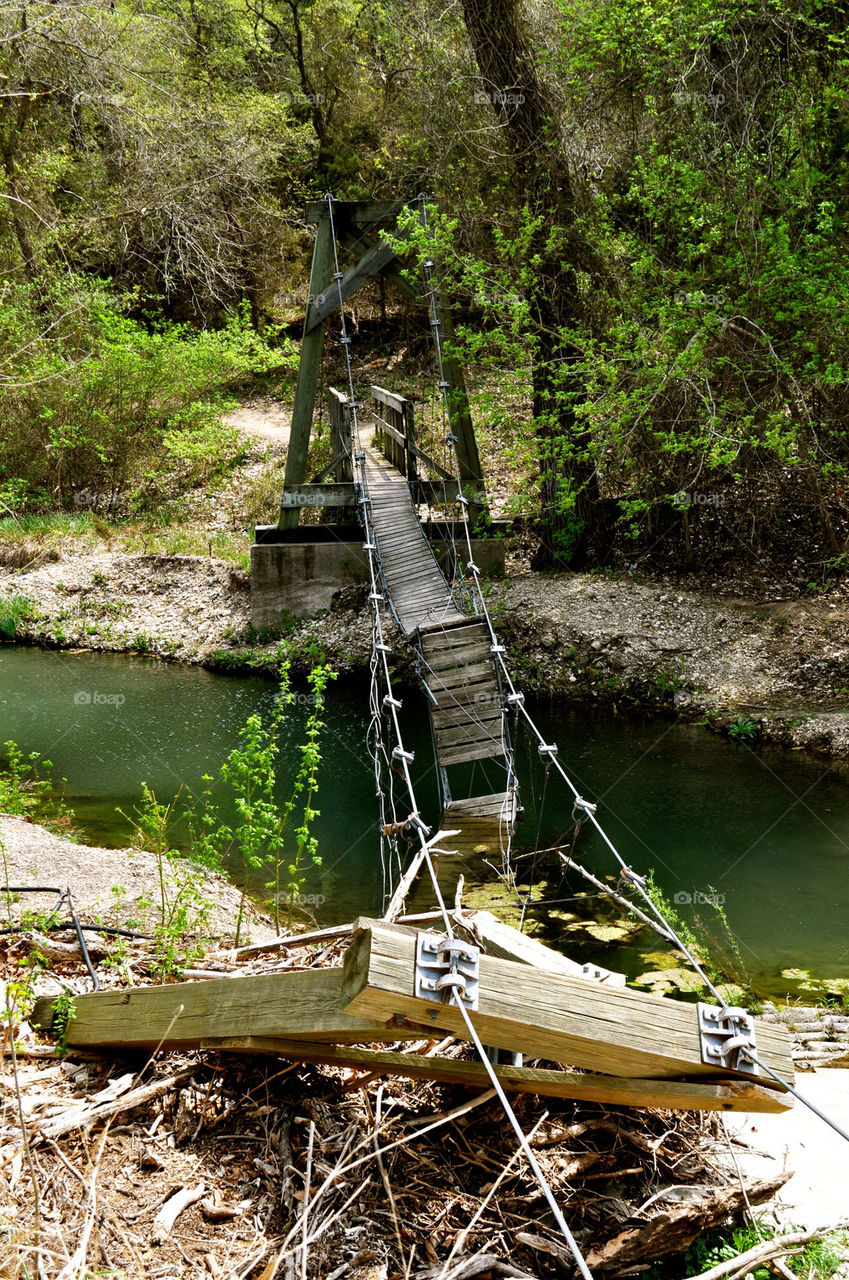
(643, 220)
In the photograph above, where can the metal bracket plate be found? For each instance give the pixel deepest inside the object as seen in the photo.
(725, 1034)
(445, 965)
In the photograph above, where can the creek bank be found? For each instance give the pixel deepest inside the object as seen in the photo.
(120, 887)
(782, 666)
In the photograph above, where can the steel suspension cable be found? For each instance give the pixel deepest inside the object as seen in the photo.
(405, 757)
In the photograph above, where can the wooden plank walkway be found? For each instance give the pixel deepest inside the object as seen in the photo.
(419, 593)
(455, 650)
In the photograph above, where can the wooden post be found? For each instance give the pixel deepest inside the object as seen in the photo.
(585, 1024)
(460, 416)
(340, 436)
(308, 369)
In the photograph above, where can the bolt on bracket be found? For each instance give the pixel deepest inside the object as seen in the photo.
(725, 1035)
(445, 966)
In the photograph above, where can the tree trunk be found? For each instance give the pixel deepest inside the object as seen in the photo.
(541, 172)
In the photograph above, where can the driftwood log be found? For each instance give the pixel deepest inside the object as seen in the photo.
(673, 1231)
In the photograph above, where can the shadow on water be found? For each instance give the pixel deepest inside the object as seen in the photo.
(764, 831)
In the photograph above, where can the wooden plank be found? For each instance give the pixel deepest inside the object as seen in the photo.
(445, 646)
(734, 1095)
(585, 1024)
(465, 754)
(467, 723)
(464, 699)
(499, 939)
(469, 735)
(430, 633)
(487, 806)
(465, 655)
(389, 398)
(468, 675)
(473, 627)
(307, 1002)
(396, 902)
(466, 704)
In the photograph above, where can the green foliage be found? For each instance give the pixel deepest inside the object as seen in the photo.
(264, 827)
(743, 731)
(28, 790)
(64, 1009)
(184, 907)
(104, 405)
(304, 789)
(818, 1260)
(13, 611)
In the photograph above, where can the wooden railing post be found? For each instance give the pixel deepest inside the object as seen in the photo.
(340, 435)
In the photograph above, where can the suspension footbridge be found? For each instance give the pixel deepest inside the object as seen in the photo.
(476, 978)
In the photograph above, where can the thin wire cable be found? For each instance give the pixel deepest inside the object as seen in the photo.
(404, 757)
(504, 1100)
(800, 1097)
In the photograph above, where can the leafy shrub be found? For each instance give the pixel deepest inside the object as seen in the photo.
(99, 399)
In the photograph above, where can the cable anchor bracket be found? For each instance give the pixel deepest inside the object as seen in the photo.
(725, 1035)
(447, 966)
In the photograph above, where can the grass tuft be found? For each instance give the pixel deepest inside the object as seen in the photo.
(13, 611)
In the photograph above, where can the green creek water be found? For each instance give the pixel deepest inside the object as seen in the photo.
(768, 831)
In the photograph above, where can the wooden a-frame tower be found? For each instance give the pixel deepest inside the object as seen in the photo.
(356, 226)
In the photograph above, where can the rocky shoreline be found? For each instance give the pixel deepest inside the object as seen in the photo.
(780, 666)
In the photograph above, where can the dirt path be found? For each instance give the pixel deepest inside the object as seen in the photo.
(262, 418)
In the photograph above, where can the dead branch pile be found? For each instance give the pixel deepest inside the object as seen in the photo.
(251, 1168)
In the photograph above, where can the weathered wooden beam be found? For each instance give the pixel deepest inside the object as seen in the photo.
(297, 1004)
(341, 439)
(389, 398)
(308, 368)
(371, 262)
(348, 211)
(501, 940)
(702, 1095)
(332, 494)
(359, 243)
(584, 1024)
(396, 903)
